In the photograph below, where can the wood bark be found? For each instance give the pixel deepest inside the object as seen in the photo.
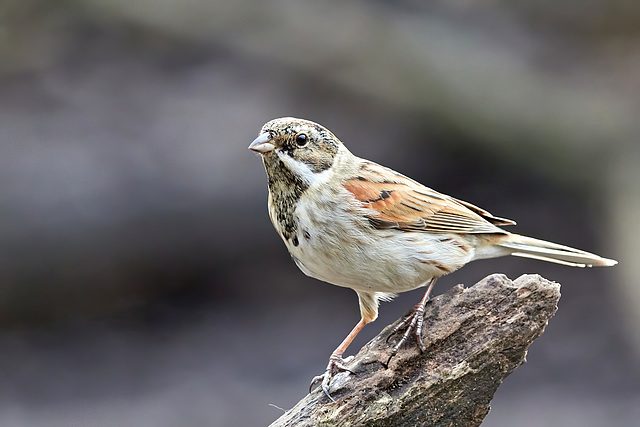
(474, 338)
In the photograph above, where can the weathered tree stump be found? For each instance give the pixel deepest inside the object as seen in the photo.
(474, 338)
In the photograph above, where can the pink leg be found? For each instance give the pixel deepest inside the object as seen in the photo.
(335, 361)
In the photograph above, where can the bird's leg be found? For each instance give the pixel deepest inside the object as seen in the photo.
(335, 361)
(413, 323)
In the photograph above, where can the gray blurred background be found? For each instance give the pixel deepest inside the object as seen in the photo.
(141, 282)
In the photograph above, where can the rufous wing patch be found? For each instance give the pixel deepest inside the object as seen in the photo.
(402, 203)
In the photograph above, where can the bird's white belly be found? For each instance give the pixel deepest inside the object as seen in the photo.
(347, 252)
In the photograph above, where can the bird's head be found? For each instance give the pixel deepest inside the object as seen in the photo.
(303, 147)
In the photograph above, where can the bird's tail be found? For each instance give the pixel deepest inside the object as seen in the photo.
(529, 247)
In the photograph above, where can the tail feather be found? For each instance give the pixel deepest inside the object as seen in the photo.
(529, 247)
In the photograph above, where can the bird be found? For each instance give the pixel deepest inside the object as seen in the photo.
(356, 224)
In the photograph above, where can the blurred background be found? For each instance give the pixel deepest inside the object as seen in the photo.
(141, 282)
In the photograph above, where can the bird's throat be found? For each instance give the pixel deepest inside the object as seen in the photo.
(285, 189)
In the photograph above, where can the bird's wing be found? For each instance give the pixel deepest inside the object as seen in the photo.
(402, 203)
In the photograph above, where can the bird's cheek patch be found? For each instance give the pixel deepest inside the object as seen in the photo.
(320, 159)
(321, 164)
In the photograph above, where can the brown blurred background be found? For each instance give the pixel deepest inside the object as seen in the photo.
(141, 282)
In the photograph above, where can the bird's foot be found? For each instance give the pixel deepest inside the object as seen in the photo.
(335, 366)
(412, 323)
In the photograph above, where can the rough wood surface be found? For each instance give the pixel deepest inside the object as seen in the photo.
(474, 338)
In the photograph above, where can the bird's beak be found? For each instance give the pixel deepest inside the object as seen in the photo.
(262, 144)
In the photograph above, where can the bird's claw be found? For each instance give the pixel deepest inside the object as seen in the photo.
(334, 367)
(413, 323)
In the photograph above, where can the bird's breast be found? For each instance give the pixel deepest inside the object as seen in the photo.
(331, 239)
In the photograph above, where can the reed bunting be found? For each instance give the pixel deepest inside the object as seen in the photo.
(353, 223)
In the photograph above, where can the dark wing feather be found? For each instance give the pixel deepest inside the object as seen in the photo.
(405, 204)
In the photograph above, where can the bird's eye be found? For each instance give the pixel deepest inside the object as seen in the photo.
(301, 139)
